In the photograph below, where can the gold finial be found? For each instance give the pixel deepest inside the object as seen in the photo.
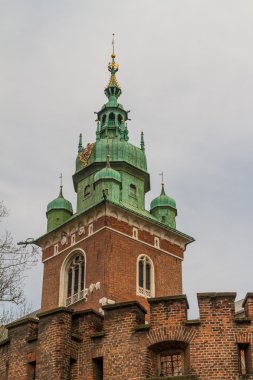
(113, 67)
(113, 45)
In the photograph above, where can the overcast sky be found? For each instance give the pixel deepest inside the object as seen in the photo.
(186, 75)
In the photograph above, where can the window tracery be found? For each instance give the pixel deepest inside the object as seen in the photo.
(75, 279)
(145, 285)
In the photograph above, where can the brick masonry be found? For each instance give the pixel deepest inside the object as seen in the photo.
(124, 340)
(73, 345)
(111, 259)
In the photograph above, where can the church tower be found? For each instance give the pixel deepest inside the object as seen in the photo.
(111, 249)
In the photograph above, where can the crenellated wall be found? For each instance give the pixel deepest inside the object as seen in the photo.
(120, 345)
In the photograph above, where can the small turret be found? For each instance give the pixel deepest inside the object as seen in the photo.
(58, 211)
(107, 181)
(112, 117)
(164, 209)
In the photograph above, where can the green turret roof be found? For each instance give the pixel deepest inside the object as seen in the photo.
(60, 203)
(127, 177)
(119, 151)
(163, 200)
(107, 173)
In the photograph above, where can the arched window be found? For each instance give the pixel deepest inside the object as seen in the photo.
(173, 358)
(87, 191)
(111, 117)
(75, 275)
(145, 277)
(120, 118)
(103, 120)
(132, 190)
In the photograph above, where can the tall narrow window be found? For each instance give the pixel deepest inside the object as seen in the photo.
(87, 191)
(98, 368)
(145, 277)
(120, 119)
(141, 274)
(76, 280)
(31, 371)
(103, 120)
(73, 239)
(90, 229)
(111, 118)
(135, 233)
(157, 242)
(72, 369)
(132, 190)
(56, 249)
(244, 359)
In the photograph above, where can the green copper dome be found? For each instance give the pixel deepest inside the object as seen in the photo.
(127, 180)
(107, 173)
(120, 151)
(163, 200)
(60, 203)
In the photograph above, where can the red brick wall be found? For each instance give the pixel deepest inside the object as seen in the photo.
(129, 348)
(111, 259)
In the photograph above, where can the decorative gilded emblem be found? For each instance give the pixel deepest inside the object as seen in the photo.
(85, 154)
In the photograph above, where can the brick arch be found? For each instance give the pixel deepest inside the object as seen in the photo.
(97, 352)
(179, 334)
(243, 338)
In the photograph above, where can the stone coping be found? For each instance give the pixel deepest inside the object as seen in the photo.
(99, 334)
(179, 297)
(248, 295)
(142, 327)
(21, 322)
(86, 312)
(243, 320)
(216, 294)
(76, 337)
(181, 377)
(124, 304)
(192, 322)
(60, 309)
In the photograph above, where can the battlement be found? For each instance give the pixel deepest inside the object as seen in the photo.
(70, 341)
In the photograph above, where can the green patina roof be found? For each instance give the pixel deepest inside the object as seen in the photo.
(144, 213)
(60, 203)
(107, 173)
(163, 200)
(120, 151)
